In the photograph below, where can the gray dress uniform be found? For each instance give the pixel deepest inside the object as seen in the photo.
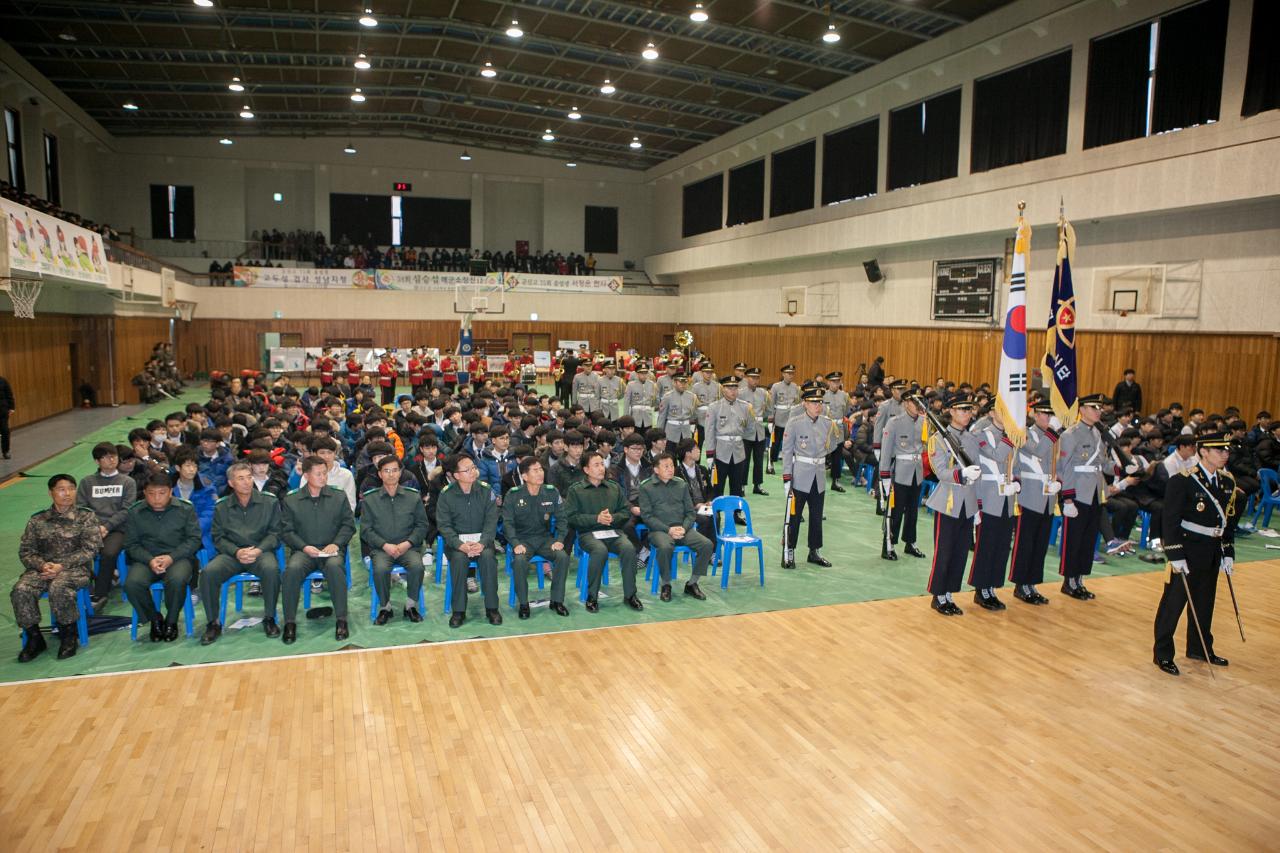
(784, 398)
(610, 390)
(757, 436)
(724, 443)
(1033, 469)
(890, 408)
(666, 384)
(996, 502)
(586, 392)
(1081, 456)
(954, 503)
(901, 463)
(805, 446)
(677, 415)
(640, 402)
(706, 393)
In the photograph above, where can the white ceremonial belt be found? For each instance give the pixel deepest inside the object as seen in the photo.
(728, 438)
(702, 408)
(635, 406)
(586, 394)
(1031, 475)
(812, 460)
(676, 423)
(1215, 532)
(782, 408)
(908, 457)
(1087, 469)
(994, 478)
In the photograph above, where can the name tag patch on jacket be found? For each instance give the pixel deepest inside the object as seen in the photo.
(108, 491)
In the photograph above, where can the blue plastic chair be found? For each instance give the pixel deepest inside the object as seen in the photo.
(448, 579)
(83, 609)
(319, 576)
(1268, 496)
(871, 475)
(238, 581)
(122, 566)
(926, 489)
(157, 596)
(654, 576)
(396, 569)
(1144, 532)
(537, 563)
(583, 561)
(730, 541)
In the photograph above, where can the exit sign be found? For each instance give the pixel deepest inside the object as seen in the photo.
(402, 187)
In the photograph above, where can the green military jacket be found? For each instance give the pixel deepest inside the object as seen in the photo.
(393, 519)
(174, 531)
(458, 513)
(253, 525)
(666, 505)
(584, 502)
(528, 519)
(71, 538)
(317, 521)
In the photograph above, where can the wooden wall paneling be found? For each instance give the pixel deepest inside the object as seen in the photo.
(133, 339)
(34, 358)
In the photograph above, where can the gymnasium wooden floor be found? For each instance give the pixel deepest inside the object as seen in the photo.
(872, 725)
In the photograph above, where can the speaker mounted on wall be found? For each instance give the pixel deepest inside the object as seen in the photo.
(872, 268)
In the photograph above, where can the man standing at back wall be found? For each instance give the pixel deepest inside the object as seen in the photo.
(6, 408)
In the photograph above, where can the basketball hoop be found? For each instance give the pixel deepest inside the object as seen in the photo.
(23, 292)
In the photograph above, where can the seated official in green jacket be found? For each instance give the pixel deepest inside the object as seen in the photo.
(667, 510)
(393, 525)
(316, 524)
(530, 518)
(246, 533)
(161, 538)
(467, 517)
(597, 510)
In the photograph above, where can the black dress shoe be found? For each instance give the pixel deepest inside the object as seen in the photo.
(693, 590)
(888, 555)
(558, 608)
(998, 604)
(69, 641)
(954, 609)
(212, 632)
(34, 647)
(836, 487)
(270, 628)
(157, 631)
(1030, 597)
(523, 611)
(170, 631)
(412, 614)
(1213, 659)
(592, 605)
(769, 470)
(665, 593)
(1085, 594)
(290, 633)
(912, 551)
(384, 616)
(98, 603)
(985, 603)
(635, 603)
(759, 491)
(1166, 666)
(739, 519)
(494, 617)
(818, 560)
(940, 606)
(340, 631)
(1075, 592)
(457, 618)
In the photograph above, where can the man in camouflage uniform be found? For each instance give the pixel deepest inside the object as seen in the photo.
(56, 551)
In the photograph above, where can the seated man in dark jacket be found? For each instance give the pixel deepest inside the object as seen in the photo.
(316, 525)
(162, 536)
(393, 527)
(597, 510)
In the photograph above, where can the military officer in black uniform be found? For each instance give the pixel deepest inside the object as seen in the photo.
(1198, 536)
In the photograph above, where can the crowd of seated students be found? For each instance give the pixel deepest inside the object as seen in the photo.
(260, 466)
(10, 192)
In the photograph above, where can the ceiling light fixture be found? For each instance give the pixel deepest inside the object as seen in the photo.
(650, 52)
(574, 114)
(635, 142)
(572, 165)
(464, 155)
(514, 30)
(831, 36)
(129, 105)
(67, 35)
(608, 88)
(204, 4)
(548, 136)
(367, 19)
(245, 112)
(698, 15)
(225, 141)
(357, 96)
(488, 70)
(235, 85)
(362, 62)
(350, 149)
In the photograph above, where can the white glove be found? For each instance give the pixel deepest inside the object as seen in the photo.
(971, 473)
(1180, 566)
(886, 488)
(1015, 487)
(1228, 565)
(1055, 424)
(1069, 509)
(1054, 487)
(977, 518)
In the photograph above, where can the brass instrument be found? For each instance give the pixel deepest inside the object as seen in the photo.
(684, 339)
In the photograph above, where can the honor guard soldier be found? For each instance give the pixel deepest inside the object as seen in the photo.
(678, 412)
(740, 371)
(353, 374)
(836, 401)
(667, 377)
(890, 408)
(56, 551)
(609, 389)
(783, 397)
(954, 503)
(641, 398)
(997, 500)
(706, 390)
(728, 422)
(388, 372)
(467, 517)
(1080, 458)
(531, 514)
(757, 437)
(326, 364)
(1198, 535)
(585, 392)
(805, 445)
(417, 372)
(393, 531)
(245, 533)
(1035, 469)
(902, 473)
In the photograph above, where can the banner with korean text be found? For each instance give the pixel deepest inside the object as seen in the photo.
(44, 244)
